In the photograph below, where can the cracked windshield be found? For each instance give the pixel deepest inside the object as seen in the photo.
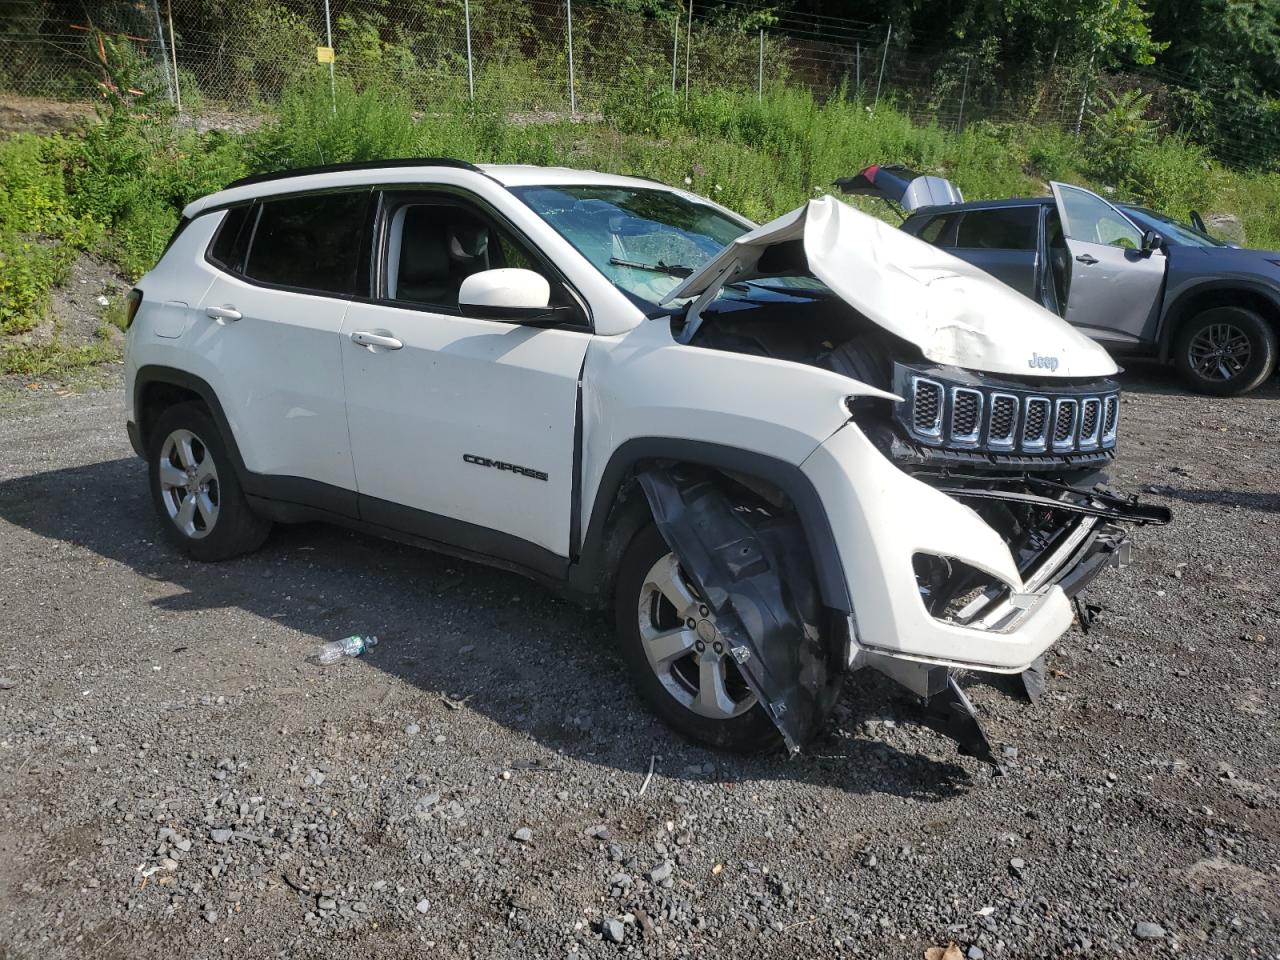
(645, 241)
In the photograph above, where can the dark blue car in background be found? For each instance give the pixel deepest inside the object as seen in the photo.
(1136, 281)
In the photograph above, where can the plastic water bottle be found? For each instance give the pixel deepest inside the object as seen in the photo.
(351, 646)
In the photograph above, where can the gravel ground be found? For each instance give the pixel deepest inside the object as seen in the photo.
(176, 779)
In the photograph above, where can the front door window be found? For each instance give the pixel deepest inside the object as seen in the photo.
(1090, 218)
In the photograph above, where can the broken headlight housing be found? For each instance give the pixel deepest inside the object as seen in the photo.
(955, 414)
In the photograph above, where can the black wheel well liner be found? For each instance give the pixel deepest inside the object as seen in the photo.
(1218, 293)
(620, 509)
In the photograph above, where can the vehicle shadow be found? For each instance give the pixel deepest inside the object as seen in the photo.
(504, 646)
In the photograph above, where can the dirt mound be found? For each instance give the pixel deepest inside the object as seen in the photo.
(39, 115)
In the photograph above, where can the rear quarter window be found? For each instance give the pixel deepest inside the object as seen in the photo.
(232, 239)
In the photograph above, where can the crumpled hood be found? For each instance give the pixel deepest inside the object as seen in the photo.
(953, 311)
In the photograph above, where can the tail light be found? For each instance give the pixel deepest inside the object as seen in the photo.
(131, 311)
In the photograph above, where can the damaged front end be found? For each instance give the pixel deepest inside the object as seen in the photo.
(1059, 535)
(746, 553)
(965, 494)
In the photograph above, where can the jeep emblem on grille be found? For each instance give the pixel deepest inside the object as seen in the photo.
(1043, 363)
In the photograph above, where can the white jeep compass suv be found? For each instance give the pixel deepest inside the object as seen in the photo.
(780, 453)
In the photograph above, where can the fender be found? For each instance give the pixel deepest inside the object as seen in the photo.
(1176, 312)
(787, 477)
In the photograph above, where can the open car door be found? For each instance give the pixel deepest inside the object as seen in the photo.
(1110, 285)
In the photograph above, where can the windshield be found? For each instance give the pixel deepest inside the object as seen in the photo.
(1173, 230)
(644, 241)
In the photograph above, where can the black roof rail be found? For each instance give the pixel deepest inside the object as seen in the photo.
(358, 165)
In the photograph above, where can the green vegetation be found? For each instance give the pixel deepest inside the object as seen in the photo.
(54, 356)
(765, 156)
(1211, 66)
(39, 231)
(119, 186)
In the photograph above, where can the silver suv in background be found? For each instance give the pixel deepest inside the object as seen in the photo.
(1137, 282)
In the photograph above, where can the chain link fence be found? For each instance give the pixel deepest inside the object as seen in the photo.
(532, 57)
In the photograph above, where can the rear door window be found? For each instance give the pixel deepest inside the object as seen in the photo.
(309, 242)
(1006, 228)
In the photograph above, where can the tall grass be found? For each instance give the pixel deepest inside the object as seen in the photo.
(766, 155)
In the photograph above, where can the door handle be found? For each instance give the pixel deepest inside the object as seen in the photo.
(371, 340)
(223, 313)
(1087, 258)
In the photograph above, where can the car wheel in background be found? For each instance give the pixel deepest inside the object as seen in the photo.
(1225, 351)
(195, 489)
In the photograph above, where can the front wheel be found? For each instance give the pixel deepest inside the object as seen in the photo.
(1225, 351)
(676, 656)
(195, 489)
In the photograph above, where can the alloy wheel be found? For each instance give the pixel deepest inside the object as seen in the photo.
(189, 484)
(1221, 351)
(685, 648)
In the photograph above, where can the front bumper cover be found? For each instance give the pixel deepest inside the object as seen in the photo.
(884, 518)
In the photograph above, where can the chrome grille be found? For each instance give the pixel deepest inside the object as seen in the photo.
(926, 414)
(1004, 421)
(966, 416)
(1065, 423)
(1109, 420)
(1007, 418)
(1090, 423)
(1035, 430)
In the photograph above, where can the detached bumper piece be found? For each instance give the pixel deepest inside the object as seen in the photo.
(951, 714)
(754, 571)
(946, 708)
(1039, 492)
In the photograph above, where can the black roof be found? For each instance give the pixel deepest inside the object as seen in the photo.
(984, 205)
(358, 165)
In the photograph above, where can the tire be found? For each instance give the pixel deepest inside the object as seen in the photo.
(745, 729)
(195, 490)
(1225, 351)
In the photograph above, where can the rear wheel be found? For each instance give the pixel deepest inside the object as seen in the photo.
(677, 657)
(1225, 351)
(195, 489)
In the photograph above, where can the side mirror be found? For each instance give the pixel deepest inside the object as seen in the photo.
(506, 293)
(1197, 221)
(1151, 242)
